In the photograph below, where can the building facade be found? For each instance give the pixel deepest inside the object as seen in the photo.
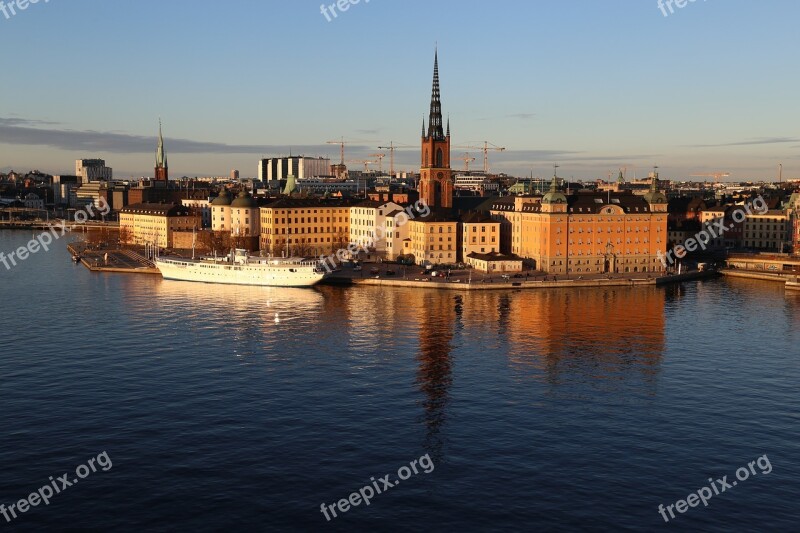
(480, 235)
(767, 232)
(368, 224)
(304, 227)
(155, 224)
(434, 239)
(301, 167)
(589, 232)
(92, 170)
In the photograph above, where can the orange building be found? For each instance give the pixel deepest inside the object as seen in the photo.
(588, 232)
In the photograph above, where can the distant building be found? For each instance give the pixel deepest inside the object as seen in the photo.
(93, 193)
(476, 183)
(301, 167)
(323, 186)
(234, 175)
(64, 190)
(768, 232)
(90, 170)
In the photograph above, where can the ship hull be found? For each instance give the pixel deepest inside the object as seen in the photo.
(262, 275)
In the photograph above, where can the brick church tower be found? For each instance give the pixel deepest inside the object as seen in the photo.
(436, 177)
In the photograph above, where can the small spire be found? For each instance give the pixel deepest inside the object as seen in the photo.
(423, 125)
(448, 125)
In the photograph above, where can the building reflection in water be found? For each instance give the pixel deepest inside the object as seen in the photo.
(440, 313)
(600, 338)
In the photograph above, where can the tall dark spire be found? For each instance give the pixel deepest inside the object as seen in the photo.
(435, 129)
(161, 154)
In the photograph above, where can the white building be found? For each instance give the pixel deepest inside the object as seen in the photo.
(331, 186)
(397, 233)
(92, 170)
(477, 183)
(301, 167)
(237, 216)
(365, 220)
(201, 207)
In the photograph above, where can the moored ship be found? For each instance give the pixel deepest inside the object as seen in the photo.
(240, 269)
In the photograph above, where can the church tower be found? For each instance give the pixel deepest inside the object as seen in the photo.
(162, 169)
(436, 177)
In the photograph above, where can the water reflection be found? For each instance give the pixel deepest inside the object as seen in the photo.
(597, 337)
(437, 319)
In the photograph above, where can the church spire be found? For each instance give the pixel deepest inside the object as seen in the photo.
(435, 129)
(162, 172)
(161, 154)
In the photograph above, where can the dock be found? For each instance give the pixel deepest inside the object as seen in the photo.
(117, 260)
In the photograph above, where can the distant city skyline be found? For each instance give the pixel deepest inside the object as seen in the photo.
(616, 84)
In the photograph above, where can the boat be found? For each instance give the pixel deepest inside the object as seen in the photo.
(239, 268)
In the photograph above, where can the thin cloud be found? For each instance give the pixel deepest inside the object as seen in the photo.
(522, 116)
(19, 131)
(751, 142)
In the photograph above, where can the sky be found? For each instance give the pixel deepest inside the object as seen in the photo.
(591, 85)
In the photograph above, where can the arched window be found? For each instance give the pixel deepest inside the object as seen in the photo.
(439, 158)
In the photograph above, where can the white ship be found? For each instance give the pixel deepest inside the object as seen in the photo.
(240, 269)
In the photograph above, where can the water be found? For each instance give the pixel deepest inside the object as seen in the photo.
(541, 410)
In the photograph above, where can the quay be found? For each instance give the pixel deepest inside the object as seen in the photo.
(461, 284)
(132, 262)
(112, 260)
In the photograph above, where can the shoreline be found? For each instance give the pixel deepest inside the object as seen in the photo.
(521, 285)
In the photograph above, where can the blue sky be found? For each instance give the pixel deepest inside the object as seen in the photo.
(592, 85)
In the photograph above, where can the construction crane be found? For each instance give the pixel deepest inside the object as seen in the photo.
(361, 161)
(487, 146)
(716, 175)
(380, 161)
(341, 143)
(392, 147)
(624, 169)
(467, 159)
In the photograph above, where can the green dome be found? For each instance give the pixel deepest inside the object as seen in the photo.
(244, 200)
(554, 196)
(223, 199)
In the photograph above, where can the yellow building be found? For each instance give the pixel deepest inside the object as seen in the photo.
(304, 227)
(433, 239)
(588, 232)
(155, 224)
(480, 235)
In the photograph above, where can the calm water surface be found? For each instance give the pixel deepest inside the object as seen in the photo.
(247, 408)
